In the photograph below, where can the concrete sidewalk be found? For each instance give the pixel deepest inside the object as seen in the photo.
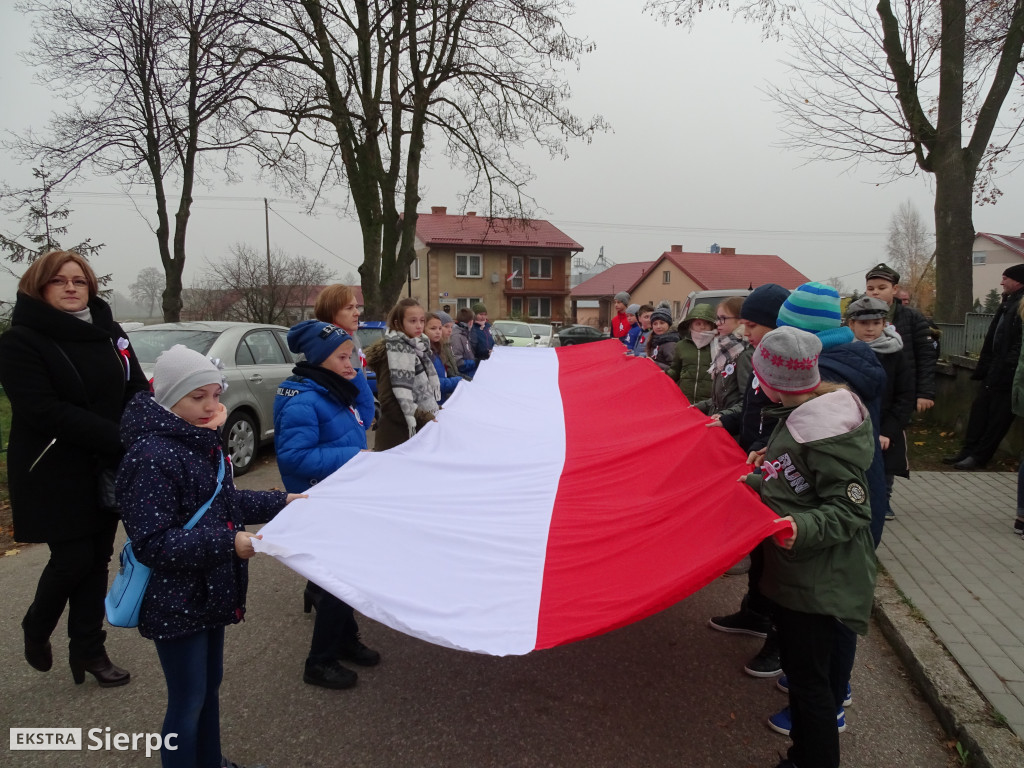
(952, 555)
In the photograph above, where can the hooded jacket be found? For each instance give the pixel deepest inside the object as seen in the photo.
(68, 384)
(661, 348)
(168, 473)
(898, 399)
(462, 350)
(918, 348)
(815, 470)
(314, 433)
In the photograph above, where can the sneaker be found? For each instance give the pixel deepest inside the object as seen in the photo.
(764, 665)
(783, 685)
(357, 653)
(329, 675)
(782, 721)
(955, 458)
(742, 623)
(1018, 527)
(890, 515)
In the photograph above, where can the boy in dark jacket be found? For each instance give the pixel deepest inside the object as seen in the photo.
(200, 576)
(867, 319)
(882, 282)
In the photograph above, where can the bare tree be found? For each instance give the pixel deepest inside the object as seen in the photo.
(253, 287)
(376, 83)
(911, 250)
(152, 87)
(147, 288)
(916, 85)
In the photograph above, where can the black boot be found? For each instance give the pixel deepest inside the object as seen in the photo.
(329, 675)
(106, 673)
(766, 663)
(39, 655)
(353, 650)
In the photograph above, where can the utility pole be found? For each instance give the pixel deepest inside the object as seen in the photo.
(266, 220)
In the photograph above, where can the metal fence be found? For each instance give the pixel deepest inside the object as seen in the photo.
(964, 338)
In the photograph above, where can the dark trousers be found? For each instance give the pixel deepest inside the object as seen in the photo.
(76, 578)
(754, 600)
(193, 667)
(813, 656)
(335, 626)
(990, 420)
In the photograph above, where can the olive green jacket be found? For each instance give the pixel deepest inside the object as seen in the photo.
(689, 370)
(815, 470)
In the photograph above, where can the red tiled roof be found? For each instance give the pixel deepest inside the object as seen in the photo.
(1015, 244)
(720, 271)
(445, 229)
(621, 277)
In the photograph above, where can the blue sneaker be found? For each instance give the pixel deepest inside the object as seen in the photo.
(782, 721)
(783, 685)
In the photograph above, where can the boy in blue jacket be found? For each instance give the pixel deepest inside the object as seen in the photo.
(317, 428)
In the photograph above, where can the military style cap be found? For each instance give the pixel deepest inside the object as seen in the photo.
(884, 272)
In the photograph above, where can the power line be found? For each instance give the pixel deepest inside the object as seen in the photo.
(324, 247)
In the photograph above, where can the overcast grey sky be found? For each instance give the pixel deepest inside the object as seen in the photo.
(692, 158)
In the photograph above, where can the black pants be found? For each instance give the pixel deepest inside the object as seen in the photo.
(990, 420)
(334, 626)
(76, 578)
(818, 663)
(754, 600)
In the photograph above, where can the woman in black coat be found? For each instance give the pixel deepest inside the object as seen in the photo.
(68, 371)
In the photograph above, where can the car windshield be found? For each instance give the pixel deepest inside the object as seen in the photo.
(518, 330)
(367, 336)
(541, 330)
(149, 344)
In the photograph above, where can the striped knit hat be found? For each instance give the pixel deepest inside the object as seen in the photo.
(812, 307)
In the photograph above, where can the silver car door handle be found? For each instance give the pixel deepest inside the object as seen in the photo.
(256, 378)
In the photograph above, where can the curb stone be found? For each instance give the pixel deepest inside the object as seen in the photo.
(962, 711)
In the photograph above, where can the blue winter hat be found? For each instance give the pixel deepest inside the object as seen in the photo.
(812, 307)
(316, 340)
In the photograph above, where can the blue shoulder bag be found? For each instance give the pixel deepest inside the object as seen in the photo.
(124, 600)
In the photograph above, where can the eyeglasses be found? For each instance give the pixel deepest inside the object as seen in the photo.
(60, 282)
(723, 318)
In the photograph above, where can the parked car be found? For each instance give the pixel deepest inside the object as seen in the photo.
(256, 360)
(544, 334)
(711, 298)
(370, 332)
(579, 334)
(519, 334)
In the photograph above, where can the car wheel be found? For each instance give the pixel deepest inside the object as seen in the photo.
(240, 441)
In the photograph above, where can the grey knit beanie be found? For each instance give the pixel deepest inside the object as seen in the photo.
(622, 296)
(444, 317)
(787, 360)
(633, 309)
(180, 370)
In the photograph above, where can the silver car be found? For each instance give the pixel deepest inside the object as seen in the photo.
(256, 360)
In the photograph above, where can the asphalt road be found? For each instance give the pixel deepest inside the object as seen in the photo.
(666, 691)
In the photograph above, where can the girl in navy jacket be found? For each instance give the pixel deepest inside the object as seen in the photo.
(200, 576)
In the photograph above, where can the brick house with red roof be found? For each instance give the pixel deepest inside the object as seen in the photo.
(592, 299)
(993, 254)
(516, 268)
(674, 274)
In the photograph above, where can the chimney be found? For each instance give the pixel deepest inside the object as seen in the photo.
(728, 251)
(439, 210)
(471, 213)
(677, 249)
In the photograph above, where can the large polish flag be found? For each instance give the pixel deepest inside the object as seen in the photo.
(561, 494)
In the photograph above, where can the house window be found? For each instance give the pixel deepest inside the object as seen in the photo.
(516, 276)
(666, 277)
(540, 267)
(414, 269)
(517, 306)
(469, 265)
(467, 303)
(540, 307)
(979, 257)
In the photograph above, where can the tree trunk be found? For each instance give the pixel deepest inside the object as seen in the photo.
(954, 238)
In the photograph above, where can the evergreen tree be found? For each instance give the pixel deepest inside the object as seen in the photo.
(992, 301)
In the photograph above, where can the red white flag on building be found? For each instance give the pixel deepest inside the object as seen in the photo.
(561, 494)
